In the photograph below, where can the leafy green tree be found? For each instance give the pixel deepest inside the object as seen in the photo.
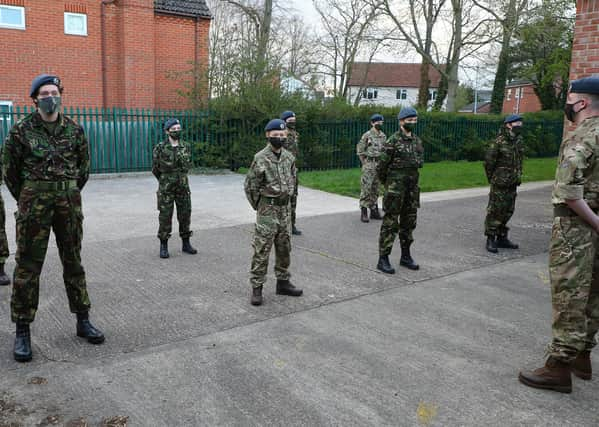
(542, 51)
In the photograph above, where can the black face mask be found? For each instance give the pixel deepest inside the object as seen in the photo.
(378, 127)
(277, 142)
(517, 130)
(176, 134)
(569, 110)
(290, 125)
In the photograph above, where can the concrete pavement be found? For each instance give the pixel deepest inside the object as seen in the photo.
(441, 346)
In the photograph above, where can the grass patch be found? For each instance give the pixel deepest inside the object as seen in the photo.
(439, 176)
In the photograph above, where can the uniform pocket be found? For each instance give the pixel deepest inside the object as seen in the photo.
(392, 203)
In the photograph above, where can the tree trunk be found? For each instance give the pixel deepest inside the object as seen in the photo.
(452, 72)
(263, 39)
(423, 91)
(501, 75)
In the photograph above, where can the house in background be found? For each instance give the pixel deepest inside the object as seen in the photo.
(389, 84)
(123, 53)
(482, 104)
(520, 97)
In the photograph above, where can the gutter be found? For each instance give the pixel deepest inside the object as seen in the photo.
(103, 51)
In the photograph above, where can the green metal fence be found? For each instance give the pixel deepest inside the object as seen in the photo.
(121, 140)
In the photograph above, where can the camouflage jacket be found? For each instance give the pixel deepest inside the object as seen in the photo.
(292, 142)
(371, 144)
(31, 152)
(577, 174)
(503, 160)
(169, 162)
(270, 176)
(401, 157)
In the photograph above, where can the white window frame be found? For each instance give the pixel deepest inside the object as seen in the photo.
(403, 94)
(73, 33)
(2, 117)
(432, 94)
(509, 94)
(14, 27)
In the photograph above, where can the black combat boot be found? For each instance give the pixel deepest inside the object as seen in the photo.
(164, 249)
(406, 259)
(295, 231)
(492, 244)
(187, 248)
(374, 213)
(384, 265)
(364, 215)
(85, 329)
(22, 351)
(505, 243)
(4, 279)
(284, 287)
(256, 298)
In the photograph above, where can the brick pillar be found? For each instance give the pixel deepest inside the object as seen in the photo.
(138, 68)
(585, 50)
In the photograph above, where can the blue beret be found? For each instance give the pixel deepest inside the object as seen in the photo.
(407, 112)
(43, 79)
(377, 118)
(513, 118)
(170, 123)
(287, 114)
(588, 85)
(275, 124)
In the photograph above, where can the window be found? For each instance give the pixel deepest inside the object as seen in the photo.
(5, 118)
(509, 94)
(520, 93)
(432, 95)
(370, 93)
(401, 94)
(75, 24)
(12, 17)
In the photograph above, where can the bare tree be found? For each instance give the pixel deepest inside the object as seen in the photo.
(469, 33)
(507, 13)
(346, 28)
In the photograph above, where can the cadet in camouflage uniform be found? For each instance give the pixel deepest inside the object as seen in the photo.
(4, 279)
(292, 145)
(45, 166)
(269, 186)
(171, 161)
(369, 150)
(503, 166)
(574, 247)
(402, 156)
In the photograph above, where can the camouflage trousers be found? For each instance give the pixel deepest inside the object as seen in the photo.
(401, 207)
(3, 240)
(170, 194)
(293, 205)
(38, 212)
(273, 226)
(369, 184)
(502, 202)
(574, 274)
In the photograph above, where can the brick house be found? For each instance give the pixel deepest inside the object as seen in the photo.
(520, 97)
(123, 53)
(585, 49)
(389, 84)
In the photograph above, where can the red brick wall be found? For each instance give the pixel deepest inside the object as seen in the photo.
(44, 47)
(585, 50)
(528, 103)
(181, 44)
(140, 70)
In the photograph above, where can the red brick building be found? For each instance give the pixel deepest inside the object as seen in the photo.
(123, 53)
(520, 97)
(585, 49)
